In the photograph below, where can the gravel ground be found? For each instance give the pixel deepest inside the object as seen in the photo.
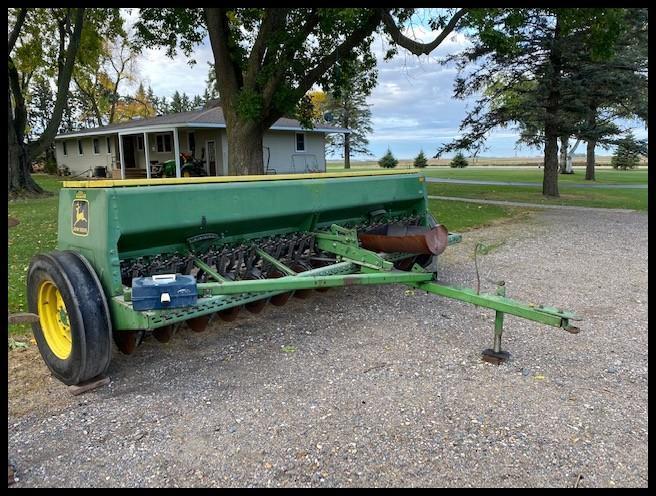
(376, 386)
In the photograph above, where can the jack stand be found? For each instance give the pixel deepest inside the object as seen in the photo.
(496, 356)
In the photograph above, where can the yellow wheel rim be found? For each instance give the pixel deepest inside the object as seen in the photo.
(53, 317)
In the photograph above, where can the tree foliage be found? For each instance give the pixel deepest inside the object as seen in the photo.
(420, 160)
(349, 109)
(459, 161)
(627, 154)
(388, 161)
(521, 61)
(267, 59)
(46, 44)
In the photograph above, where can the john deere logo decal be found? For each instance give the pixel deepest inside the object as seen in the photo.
(80, 217)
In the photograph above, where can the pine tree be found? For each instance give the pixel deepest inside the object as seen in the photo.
(197, 102)
(185, 103)
(176, 103)
(627, 154)
(348, 105)
(420, 160)
(459, 161)
(388, 161)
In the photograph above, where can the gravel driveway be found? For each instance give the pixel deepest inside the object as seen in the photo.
(376, 386)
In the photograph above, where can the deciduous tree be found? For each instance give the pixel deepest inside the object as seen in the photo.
(266, 60)
(45, 42)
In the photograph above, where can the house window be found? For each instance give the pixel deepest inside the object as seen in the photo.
(164, 143)
(192, 144)
(80, 149)
(300, 142)
(140, 143)
(96, 146)
(64, 148)
(109, 145)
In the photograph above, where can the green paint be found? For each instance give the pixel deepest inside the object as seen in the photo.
(129, 222)
(148, 220)
(543, 314)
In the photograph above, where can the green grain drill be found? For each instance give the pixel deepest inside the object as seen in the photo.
(244, 241)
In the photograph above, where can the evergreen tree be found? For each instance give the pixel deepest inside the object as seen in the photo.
(459, 161)
(176, 103)
(528, 50)
(348, 105)
(162, 106)
(420, 160)
(627, 154)
(185, 103)
(197, 102)
(388, 161)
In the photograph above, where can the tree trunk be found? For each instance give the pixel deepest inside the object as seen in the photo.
(591, 124)
(245, 148)
(569, 169)
(552, 121)
(550, 180)
(564, 143)
(18, 170)
(590, 161)
(347, 151)
(20, 153)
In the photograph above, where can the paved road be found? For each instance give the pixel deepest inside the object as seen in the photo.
(522, 183)
(525, 204)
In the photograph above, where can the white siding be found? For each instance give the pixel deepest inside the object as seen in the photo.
(79, 163)
(285, 159)
(279, 149)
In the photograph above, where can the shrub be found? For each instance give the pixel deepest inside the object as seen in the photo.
(626, 156)
(420, 160)
(50, 167)
(388, 161)
(459, 161)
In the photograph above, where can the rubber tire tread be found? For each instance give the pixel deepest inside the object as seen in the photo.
(87, 311)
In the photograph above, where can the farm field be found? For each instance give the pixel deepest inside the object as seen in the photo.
(491, 162)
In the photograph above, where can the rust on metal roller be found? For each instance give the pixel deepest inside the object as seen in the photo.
(392, 238)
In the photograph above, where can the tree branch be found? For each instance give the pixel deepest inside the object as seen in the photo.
(63, 80)
(270, 88)
(347, 45)
(229, 75)
(414, 46)
(274, 20)
(13, 36)
(20, 112)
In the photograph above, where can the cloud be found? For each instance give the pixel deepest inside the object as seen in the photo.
(166, 75)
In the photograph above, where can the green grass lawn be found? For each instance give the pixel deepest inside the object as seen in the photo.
(37, 232)
(512, 173)
(462, 216)
(536, 175)
(607, 198)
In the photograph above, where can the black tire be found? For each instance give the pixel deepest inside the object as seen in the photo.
(88, 315)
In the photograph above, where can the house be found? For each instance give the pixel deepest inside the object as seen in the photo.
(126, 148)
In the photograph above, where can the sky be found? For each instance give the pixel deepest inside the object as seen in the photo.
(412, 106)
